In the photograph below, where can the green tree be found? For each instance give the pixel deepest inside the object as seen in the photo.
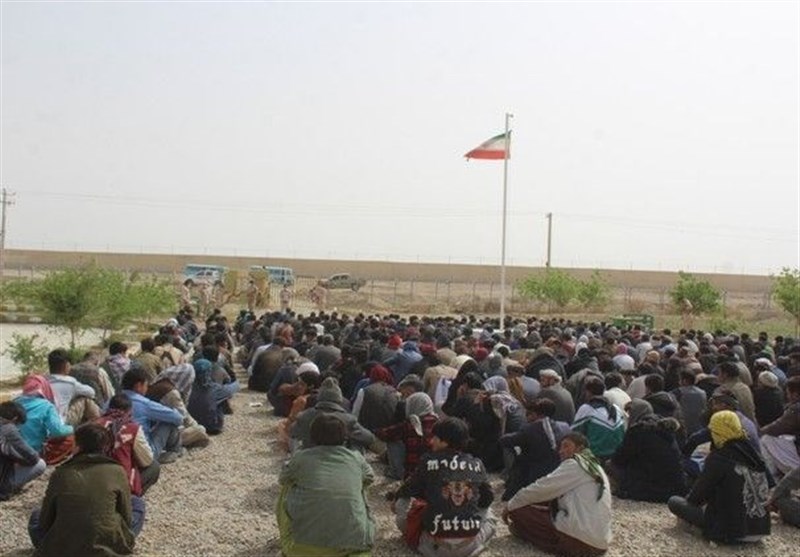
(786, 291)
(702, 296)
(65, 298)
(595, 292)
(90, 296)
(554, 287)
(123, 298)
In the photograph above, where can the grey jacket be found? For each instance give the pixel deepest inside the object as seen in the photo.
(357, 436)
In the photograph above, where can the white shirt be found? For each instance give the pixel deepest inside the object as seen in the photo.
(65, 388)
(580, 514)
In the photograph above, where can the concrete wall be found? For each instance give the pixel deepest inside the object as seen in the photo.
(24, 260)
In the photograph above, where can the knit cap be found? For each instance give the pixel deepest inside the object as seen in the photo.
(329, 391)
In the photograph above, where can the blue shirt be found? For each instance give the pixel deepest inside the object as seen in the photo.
(42, 421)
(147, 413)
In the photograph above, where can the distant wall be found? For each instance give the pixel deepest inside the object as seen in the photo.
(21, 260)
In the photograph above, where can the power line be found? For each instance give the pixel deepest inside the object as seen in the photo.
(362, 210)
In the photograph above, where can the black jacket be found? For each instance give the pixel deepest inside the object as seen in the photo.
(649, 462)
(456, 488)
(733, 486)
(769, 404)
(535, 456)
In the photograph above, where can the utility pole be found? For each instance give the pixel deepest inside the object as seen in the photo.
(549, 237)
(6, 199)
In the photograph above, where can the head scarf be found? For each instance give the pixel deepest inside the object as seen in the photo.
(118, 419)
(768, 379)
(458, 361)
(589, 464)
(202, 369)
(307, 366)
(182, 376)
(639, 410)
(550, 373)
(418, 405)
(496, 384)
(725, 426)
(38, 385)
(379, 373)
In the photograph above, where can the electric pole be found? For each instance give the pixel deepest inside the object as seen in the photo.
(6, 199)
(549, 237)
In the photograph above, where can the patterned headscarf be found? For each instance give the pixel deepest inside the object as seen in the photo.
(418, 405)
(497, 384)
(38, 385)
(182, 376)
(589, 464)
(725, 426)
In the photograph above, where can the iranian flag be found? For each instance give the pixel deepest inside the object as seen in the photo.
(493, 149)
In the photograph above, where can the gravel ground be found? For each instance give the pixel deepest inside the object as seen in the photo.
(220, 501)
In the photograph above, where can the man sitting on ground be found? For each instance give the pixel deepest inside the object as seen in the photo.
(88, 508)
(567, 512)
(73, 400)
(450, 495)
(159, 422)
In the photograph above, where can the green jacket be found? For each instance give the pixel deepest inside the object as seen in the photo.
(87, 509)
(325, 498)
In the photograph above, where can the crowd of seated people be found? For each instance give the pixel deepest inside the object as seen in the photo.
(110, 424)
(570, 414)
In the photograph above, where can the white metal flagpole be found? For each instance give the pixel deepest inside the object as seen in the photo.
(503, 245)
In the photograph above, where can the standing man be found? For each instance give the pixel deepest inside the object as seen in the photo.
(252, 295)
(286, 298)
(186, 294)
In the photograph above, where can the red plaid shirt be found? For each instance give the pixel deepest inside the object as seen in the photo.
(416, 446)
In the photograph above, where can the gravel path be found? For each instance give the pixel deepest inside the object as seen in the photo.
(219, 501)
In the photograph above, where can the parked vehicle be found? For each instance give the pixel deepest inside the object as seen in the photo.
(200, 272)
(343, 280)
(275, 275)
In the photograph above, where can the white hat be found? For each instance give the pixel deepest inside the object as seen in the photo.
(550, 373)
(307, 366)
(768, 379)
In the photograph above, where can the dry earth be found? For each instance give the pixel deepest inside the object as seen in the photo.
(219, 501)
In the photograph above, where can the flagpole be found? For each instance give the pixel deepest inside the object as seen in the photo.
(503, 244)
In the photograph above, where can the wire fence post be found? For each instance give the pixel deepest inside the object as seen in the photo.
(394, 293)
(372, 292)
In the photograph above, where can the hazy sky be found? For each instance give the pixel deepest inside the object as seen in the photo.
(661, 135)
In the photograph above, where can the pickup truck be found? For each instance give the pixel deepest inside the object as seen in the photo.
(343, 280)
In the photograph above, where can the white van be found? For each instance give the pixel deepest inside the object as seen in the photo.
(276, 275)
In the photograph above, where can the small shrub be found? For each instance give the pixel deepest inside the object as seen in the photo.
(28, 352)
(636, 305)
